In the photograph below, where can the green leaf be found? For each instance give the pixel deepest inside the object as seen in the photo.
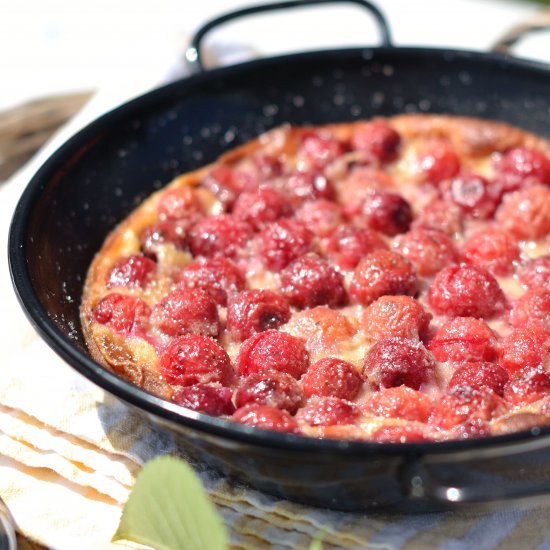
(169, 509)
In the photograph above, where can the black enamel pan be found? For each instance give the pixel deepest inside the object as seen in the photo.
(98, 177)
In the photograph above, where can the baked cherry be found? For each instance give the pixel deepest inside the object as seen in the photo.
(382, 272)
(429, 250)
(437, 161)
(526, 347)
(328, 411)
(356, 188)
(319, 149)
(165, 232)
(476, 196)
(253, 311)
(221, 235)
(349, 244)
(323, 329)
(282, 242)
(440, 215)
(520, 165)
(399, 402)
(395, 316)
(377, 139)
(463, 404)
(394, 362)
(195, 359)
(131, 272)
(479, 375)
(301, 187)
(276, 389)
(386, 212)
(273, 350)
(526, 213)
(266, 417)
(535, 273)
(332, 377)
(468, 291)
(310, 281)
(206, 398)
(400, 434)
(223, 184)
(185, 311)
(260, 207)
(464, 339)
(122, 312)
(492, 249)
(218, 277)
(321, 217)
(532, 308)
(527, 387)
(178, 202)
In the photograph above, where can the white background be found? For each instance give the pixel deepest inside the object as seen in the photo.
(51, 46)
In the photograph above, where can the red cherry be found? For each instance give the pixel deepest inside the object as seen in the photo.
(328, 411)
(464, 339)
(131, 272)
(400, 402)
(382, 272)
(521, 165)
(386, 212)
(260, 207)
(349, 244)
(377, 139)
(195, 359)
(121, 312)
(467, 292)
(318, 149)
(332, 377)
(492, 249)
(168, 231)
(253, 311)
(535, 274)
(273, 350)
(394, 362)
(178, 202)
(533, 308)
(267, 418)
(527, 387)
(321, 217)
(282, 242)
(476, 196)
(310, 281)
(526, 213)
(526, 347)
(222, 182)
(478, 376)
(429, 250)
(397, 316)
(184, 311)
(438, 161)
(221, 235)
(464, 404)
(218, 277)
(276, 389)
(440, 215)
(307, 186)
(205, 398)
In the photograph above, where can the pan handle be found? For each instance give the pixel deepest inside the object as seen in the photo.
(540, 22)
(193, 54)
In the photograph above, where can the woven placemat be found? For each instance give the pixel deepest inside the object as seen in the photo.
(25, 128)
